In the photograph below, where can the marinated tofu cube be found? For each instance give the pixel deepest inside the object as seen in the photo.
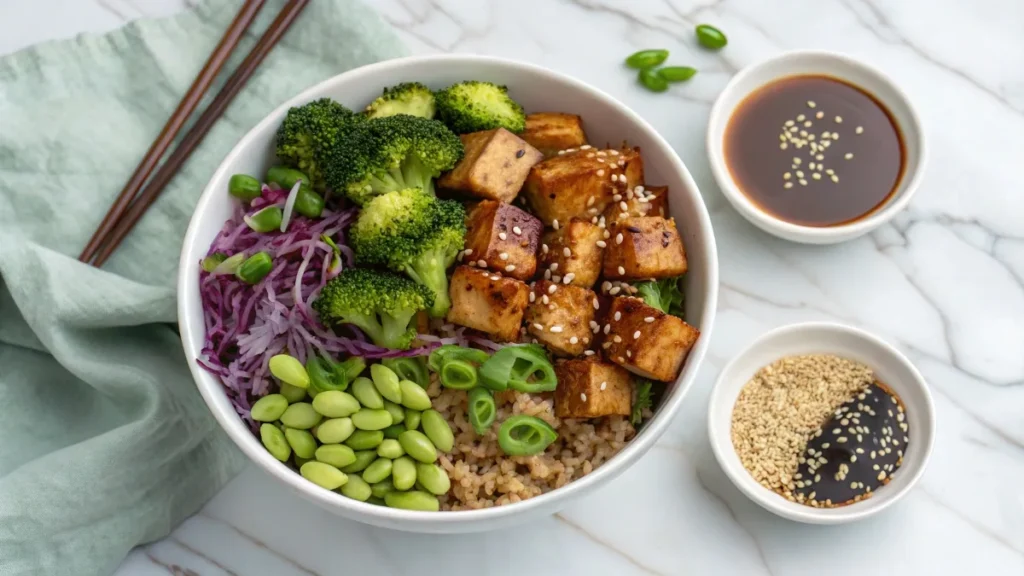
(646, 341)
(559, 316)
(574, 251)
(643, 248)
(640, 201)
(488, 301)
(494, 166)
(502, 237)
(591, 389)
(581, 184)
(551, 132)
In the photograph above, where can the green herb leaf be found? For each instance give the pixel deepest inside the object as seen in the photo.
(642, 401)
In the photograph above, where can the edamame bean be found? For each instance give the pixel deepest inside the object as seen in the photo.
(309, 203)
(335, 404)
(323, 475)
(393, 431)
(337, 455)
(285, 177)
(438, 431)
(412, 419)
(300, 415)
(211, 262)
(377, 471)
(414, 368)
(418, 446)
(363, 459)
(413, 396)
(264, 220)
(367, 419)
(275, 443)
(364, 439)
(650, 80)
(335, 430)
(645, 59)
(288, 369)
(403, 473)
(390, 448)
(300, 461)
(367, 394)
(396, 411)
(413, 500)
(292, 393)
(269, 408)
(376, 501)
(677, 73)
(255, 268)
(386, 382)
(433, 478)
(711, 37)
(357, 489)
(244, 187)
(301, 441)
(381, 488)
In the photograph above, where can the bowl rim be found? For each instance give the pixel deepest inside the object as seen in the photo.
(723, 449)
(210, 387)
(720, 116)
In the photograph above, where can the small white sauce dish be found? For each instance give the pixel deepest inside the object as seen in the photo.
(890, 367)
(800, 63)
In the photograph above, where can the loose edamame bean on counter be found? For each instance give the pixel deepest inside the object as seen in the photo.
(711, 37)
(323, 475)
(413, 396)
(367, 394)
(288, 369)
(418, 446)
(275, 443)
(645, 59)
(403, 473)
(357, 489)
(390, 449)
(269, 408)
(300, 415)
(335, 404)
(335, 430)
(438, 431)
(301, 441)
(337, 455)
(413, 500)
(433, 478)
(386, 382)
(378, 470)
(363, 459)
(365, 439)
(652, 81)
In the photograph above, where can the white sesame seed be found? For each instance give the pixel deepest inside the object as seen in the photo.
(594, 219)
(601, 244)
(517, 230)
(590, 201)
(583, 396)
(538, 326)
(472, 263)
(544, 298)
(588, 352)
(597, 304)
(556, 329)
(787, 185)
(606, 285)
(808, 123)
(839, 119)
(502, 235)
(615, 177)
(554, 266)
(618, 316)
(636, 335)
(495, 278)
(787, 175)
(544, 248)
(803, 182)
(835, 178)
(556, 278)
(607, 328)
(789, 123)
(533, 297)
(510, 268)
(590, 155)
(649, 319)
(816, 176)
(848, 155)
(617, 339)
(623, 206)
(604, 385)
(552, 288)
(613, 152)
(567, 279)
(622, 271)
(547, 274)
(481, 263)
(618, 238)
(554, 224)
(600, 172)
(574, 340)
(800, 118)
(469, 251)
(629, 354)
(566, 252)
(561, 152)
(859, 130)
(615, 290)
(503, 255)
(617, 197)
(819, 157)
(811, 104)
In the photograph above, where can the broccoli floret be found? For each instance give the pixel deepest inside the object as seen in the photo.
(413, 232)
(474, 106)
(665, 295)
(381, 304)
(410, 98)
(382, 155)
(309, 132)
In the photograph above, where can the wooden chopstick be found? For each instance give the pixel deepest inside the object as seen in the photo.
(185, 108)
(202, 126)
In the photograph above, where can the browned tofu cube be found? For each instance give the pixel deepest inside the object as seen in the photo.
(643, 248)
(559, 316)
(582, 260)
(488, 302)
(550, 132)
(494, 166)
(646, 341)
(640, 201)
(591, 389)
(502, 237)
(581, 184)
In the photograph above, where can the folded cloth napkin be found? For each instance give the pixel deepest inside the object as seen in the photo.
(104, 441)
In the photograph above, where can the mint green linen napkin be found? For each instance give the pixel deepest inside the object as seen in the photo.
(104, 441)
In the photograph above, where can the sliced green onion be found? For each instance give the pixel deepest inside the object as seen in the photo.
(523, 435)
(411, 368)
(458, 375)
(523, 368)
(265, 220)
(481, 409)
(455, 352)
(229, 265)
(211, 262)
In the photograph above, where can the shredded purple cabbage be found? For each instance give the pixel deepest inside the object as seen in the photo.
(247, 324)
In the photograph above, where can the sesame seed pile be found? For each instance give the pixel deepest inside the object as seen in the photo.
(796, 132)
(781, 408)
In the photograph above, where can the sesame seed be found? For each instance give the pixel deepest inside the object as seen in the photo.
(835, 178)
(848, 155)
(618, 316)
(495, 278)
(517, 230)
(623, 206)
(787, 185)
(800, 118)
(618, 238)
(601, 244)
(544, 248)
(613, 152)
(617, 339)
(554, 224)
(590, 155)
(552, 288)
(841, 439)
(533, 297)
(604, 385)
(839, 119)
(472, 263)
(649, 319)
(811, 104)
(617, 197)
(481, 263)
(556, 278)
(819, 115)
(629, 354)
(607, 328)
(615, 290)
(588, 352)
(615, 177)
(583, 396)
(636, 335)
(816, 176)
(584, 147)
(620, 360)
(787, 176)
(859, 130)
(538, 326)
(556, 329)
(600, 172)
(502, 236)
(797, 161)
(469, 251)
(567, 279)
(881, 475)
(622, 271)
(503, 255)
(590, 201)
(554, 266)
(544, 298)
(510, 268)
(789, 123)
(573, 340)
(566, 252)
(547, 274)
(606, 345)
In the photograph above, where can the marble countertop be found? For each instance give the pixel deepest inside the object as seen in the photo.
(944, 282)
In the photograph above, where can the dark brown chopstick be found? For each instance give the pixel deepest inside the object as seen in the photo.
(202, 126)
(185, 108)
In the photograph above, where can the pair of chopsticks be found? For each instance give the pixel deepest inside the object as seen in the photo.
(134, 200)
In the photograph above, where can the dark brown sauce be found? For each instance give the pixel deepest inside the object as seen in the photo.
(849, 178)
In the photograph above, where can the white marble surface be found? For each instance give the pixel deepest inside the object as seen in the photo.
(945, 282)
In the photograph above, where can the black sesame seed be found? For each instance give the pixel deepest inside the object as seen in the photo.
(520, 153)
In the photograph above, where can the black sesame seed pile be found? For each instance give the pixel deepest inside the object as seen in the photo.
(856, 451)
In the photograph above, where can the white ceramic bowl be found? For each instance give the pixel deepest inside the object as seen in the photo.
(890, 366)
(538, 89)
(827, 64)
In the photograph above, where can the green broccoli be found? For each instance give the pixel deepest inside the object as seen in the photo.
(665, 295)
(382, 155)
(413, 232)
(309, 132)
(410, 98)
(381, 304)
(474, 106)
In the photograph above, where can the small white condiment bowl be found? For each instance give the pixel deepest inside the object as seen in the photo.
(822, 63)
(890, 367)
